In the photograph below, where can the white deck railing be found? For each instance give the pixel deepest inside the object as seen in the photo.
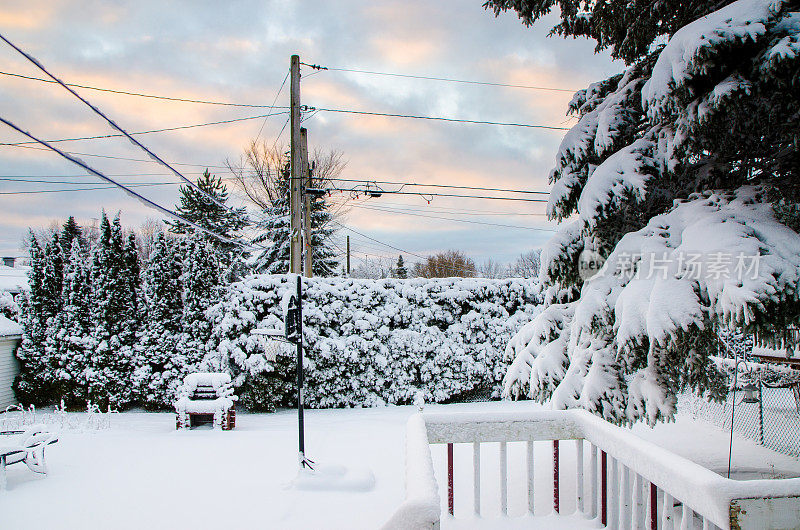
(619, 478)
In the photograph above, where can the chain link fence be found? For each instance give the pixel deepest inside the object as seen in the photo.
(774, 421)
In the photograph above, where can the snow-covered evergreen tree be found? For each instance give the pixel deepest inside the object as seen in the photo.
(114, 316)
(69, 232)
(68, 342)
(275, 227)
(157, 375)
(30, 385)
(201, 282)
(400, 270)
(198, 208)
(690, 154)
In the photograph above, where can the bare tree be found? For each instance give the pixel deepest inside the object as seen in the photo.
(445, 265)
(146, 235)
(527, 265)
(258, 172)
(492, 269)
(375, 268)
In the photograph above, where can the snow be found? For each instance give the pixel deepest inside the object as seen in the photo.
(334, 477)
(685, 54)
(142, 473)
(9, 328)
(371, 342)
(624, 172)
(217, 380)
(646, 294)
(13, 279)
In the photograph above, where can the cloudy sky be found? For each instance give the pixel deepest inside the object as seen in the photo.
(238, 51)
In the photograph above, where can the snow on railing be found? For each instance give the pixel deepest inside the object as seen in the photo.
(631, 483)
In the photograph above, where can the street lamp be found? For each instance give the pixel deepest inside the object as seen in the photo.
(749, 396)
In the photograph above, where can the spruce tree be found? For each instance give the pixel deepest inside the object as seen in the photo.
(113, 318)
(400, 270)
(692, 150)
(201, 282)
(275, 228)
(157, 373)
(198, 208)
(68, 342)
(69, 232)
(33, 384)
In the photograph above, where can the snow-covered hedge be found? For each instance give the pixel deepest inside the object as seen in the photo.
(370, 342)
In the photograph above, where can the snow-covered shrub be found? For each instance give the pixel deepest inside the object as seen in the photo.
(371, 342)
(686, 160)
(8, 306)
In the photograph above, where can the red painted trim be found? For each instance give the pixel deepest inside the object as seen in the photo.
(603, 488)
(555, 477)
(450, 478)
(653, 507)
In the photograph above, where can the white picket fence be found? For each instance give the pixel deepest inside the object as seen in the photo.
(620, 479)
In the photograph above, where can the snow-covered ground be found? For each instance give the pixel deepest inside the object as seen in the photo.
(142, 473)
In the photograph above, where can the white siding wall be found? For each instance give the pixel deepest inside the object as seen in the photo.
(8, 371)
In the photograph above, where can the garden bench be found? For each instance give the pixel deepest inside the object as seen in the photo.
(27, 446)
(206, 397)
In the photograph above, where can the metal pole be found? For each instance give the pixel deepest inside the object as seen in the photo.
(733, 410)
(348, 256)
(760, 411)
(300, 425)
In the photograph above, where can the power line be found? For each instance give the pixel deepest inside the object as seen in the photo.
(372, 191)
(457, 211)
(375, 208)
(444, 79)
(165, 129)
(115, 126)
(91, 188)
(439, 186)
(130, 192)
(150, 161)
(128, 93)
(272, 107)
(437, 118)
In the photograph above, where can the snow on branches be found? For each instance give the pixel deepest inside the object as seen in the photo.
(686, 162)
(716, 258)
(371, 342)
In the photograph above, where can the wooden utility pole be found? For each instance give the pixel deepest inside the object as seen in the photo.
(296, 176)
(348, 255)
(305, 183)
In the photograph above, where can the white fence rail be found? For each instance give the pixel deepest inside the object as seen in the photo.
(618, 478)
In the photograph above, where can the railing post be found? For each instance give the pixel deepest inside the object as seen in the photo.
(624, 497)
(603, 488)
(555, 476)
(593, 479)
(637, 506)
(613, 501)
(503, 479)
(653, 507)
(476, 466)
(450, 478)
(529, 447)
(666, 512)
(579, 489)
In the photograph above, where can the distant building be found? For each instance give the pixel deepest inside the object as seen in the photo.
(10, 335)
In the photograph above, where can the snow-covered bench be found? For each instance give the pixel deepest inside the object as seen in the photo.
(206, 396)
(27, 446)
